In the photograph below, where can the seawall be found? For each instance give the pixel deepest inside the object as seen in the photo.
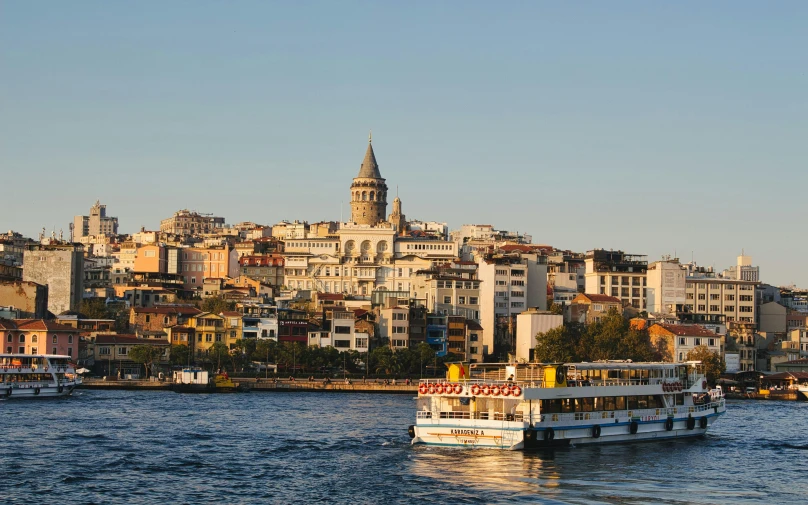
(266, 385)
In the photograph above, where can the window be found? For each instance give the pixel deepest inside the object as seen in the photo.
(399, 329)
(690, 296)
(397, 343)
(729, 308)
(711, 342)
(715, 308)
(696, 341)
(729, 298)
(342, 344)
(473, 300)
(473, 337)
(70, 351)
(8, 350)
(22, 338)
(34, 350)
(702, 296)
(70, 339)
(342, 330)
(121, 350)
(9, 339)
(682, 341)
(517, 305)
(461, 300)
(218, 337)
(447, 299)
(208, 337)
(22, 350)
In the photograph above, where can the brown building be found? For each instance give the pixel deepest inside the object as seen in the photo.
(159, 318)
(30, 298)
(588, 308)
(679, 339)
(267, 268)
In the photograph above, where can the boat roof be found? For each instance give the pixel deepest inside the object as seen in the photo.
(594, 365)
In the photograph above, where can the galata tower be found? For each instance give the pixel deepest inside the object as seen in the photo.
(368, 191)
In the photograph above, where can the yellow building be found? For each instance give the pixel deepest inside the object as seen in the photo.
(233, 327)
(208, 328)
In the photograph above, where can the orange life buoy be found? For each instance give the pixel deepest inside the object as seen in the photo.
(432, 389)
(516, 391)
(495, 390)
(506, 391)
(666, 387)
(439, 389)
(422, 389)
(458, 389)
(486, 390)
(475, 389)
(449, 388)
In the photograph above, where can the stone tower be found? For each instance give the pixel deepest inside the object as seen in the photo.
(368, 192)
(397, 219)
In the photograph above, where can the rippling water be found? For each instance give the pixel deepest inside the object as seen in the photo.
(162, 447)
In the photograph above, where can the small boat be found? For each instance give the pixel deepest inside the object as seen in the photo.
(29, 376)
(535, 405)
(196, 380)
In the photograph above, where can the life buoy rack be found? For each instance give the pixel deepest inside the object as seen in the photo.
(475, 389)
(703, 423)
(458, 389)
(439, 389)
(669, 424)
(549, 434)
(486, 390)
(506, 391)
(422, 388)
(516, 391)
(596, 431)
(691, 422)
(431, 389)
(633, 427)
(560, 375)
(36, 391)
(495, 391)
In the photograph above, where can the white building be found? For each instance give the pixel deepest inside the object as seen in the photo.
(665, 294)
(528, 325)
(617, 274)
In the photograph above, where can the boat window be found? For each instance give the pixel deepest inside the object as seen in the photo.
(609, 403)
(550, 406)
(633, 402)
(584, 405)
(567, 405)
(620, 403)
(597, 404)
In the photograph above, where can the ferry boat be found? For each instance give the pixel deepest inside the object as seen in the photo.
(29, 376)
(547, 405)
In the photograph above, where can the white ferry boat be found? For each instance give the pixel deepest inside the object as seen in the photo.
(28, 376)
(547, 405)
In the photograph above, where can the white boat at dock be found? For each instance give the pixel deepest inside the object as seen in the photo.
(29, 376)
(546, 405)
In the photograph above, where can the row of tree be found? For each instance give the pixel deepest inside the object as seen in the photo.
(297, 357)
(613, 338)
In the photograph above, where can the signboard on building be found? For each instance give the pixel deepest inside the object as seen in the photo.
(733, 361)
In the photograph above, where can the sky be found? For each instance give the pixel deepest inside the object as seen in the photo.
(653, 127)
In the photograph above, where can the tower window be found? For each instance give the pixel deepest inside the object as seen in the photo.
(372, 196)
(364, 196)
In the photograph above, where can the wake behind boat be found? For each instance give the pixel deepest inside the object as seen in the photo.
(29, 376)
(544, 405)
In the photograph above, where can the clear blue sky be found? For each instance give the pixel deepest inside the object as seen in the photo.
(652, 127)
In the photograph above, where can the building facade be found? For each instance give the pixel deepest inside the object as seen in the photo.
(60, 266)
(617, 274)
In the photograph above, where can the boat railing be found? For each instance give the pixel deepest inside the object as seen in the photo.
(634, 413)
(484, 416)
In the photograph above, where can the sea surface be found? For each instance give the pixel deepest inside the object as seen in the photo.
(133, 447)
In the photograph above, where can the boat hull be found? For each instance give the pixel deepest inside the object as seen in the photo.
(519, 435)
(34, 393)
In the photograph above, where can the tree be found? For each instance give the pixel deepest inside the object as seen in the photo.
(180, 355)
(556, 309)
(218, 352)
(711, 361)
(216, 305)
(95, 308)
(145, 355)
(555, 346)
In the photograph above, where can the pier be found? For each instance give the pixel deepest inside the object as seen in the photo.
(266, 385)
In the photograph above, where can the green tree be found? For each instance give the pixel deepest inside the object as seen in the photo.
(555, 346)
(556, 309)
(145, 355)
(95, 308)
(180, 355)
(711, 362)
(216, 304)
(217, 353)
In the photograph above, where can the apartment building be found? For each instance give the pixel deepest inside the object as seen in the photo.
(186, 222)
(97, 223)
(60, 266)
(617, 274)
(680, 339)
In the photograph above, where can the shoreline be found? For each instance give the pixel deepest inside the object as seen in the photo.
(262, 385)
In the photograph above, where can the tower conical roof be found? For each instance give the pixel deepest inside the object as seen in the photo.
(369, 168)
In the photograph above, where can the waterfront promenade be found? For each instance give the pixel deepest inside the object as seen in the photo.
(269, 385)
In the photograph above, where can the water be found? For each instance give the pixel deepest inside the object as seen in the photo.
(161, 447)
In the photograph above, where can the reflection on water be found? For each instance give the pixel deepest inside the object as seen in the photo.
(156, 447)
